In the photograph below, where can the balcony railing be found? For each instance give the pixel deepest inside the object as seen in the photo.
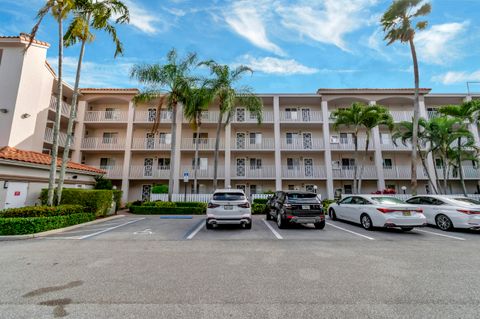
(62, 137)
(347, 144)
(247, 117)
(303, 172)
(65, 106)
(207, 117)
(99, 143)
(150, 144)
(106, 116)
(389, 146)
(239, 172)
(150, 172)
(302, 144)
(469, 172)
(403, 172)
(204, 144)
(252, 144)
(203, 173)
(112, 171)
(369, 172)
(149, 117)
(399, 116)
(301, 116)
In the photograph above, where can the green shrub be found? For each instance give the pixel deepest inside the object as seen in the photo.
(326, 203)
(258, 208)
(260, 200)
(41, 211)
(103, 183)
(93, 200)
(160, 189)
(165, 204)
(154, 210)
(31, 225)
(117, 197)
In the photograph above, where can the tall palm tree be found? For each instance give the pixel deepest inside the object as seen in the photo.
(229, 96)
(375, 115)
(399, 25)
(88, 15)
(196, 102)
(173, 79)
(59, 10)
(465, 112)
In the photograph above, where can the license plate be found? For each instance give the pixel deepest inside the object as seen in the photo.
(228, 207)
(305, 207)
(407, 213)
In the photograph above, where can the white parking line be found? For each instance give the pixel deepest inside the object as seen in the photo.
(108, 229)
(273, 230)
(350, 231)
(200, 226)
(437, 234)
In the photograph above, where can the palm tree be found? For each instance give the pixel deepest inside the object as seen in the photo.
(97, 15)
(59, 10)
(196, 102)
(465, 112)
(173, 79)
(228, 95)
(374, 116)
(398, 25)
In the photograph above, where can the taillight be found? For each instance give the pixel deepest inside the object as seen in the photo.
(246, 205)
(212, 205)
(386, 210)
(469, 212)
(418, 210)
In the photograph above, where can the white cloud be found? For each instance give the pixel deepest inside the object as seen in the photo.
(271, 65)
(143, 20)
(245, 19)
(453, 77)
(440, 43)
(327, 22)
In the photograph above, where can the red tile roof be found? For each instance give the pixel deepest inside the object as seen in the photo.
(111, 90)
(13, 154)
(23, 37)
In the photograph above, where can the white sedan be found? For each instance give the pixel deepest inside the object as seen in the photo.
(377, 211)
(449, 212)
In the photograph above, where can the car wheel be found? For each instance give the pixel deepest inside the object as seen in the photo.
(366, 222)
(331, 214)
(281, 222)
(443, 222)
(320, 225)
(407, 228)
(248, 226)
(268, 216)
(208, 225)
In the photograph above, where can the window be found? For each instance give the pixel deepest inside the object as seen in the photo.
(202, 163)
(163, 163)
(253, 189)
(165, 138)
(203, 138)
(228, 196)
(310, 188)
(347, 189)
(291, 187)
(346, 138)
(348, 163)
(385, 138)
(387, 163)
(256, 138)
(152, 114)
(346, 200)
(106, 163)
(296, 196)
(291, 137)
(291, 113)
(110, 137)
(388, 200)
(359, 201)
(293, 163)
(109, 112)
(255, 163)
(439, 163)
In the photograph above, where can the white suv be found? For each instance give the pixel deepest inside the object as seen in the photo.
(229, 206)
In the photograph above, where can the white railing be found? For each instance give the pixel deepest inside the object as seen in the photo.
(399, 116)
(149, 117)
(203, 144)
(150, 172)
(202, 173)
(432, 114)
(369, 172)
(403, 172)
(65, 106)
(207, 117)
(469, 172)
(261, 196)
(302, 144)
(247, 117)
(62, 137)
(112, 172)
(347, 144)
(306, 172)
(404, 197)
(100, 143)
(153, 143)
(249, 172)
(106, 116)
(389, 146)
(252, 144)
(203, 198)
(301, 117)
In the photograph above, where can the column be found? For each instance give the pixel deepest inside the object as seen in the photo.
(228, 155)
(430, 162)
(128, 153)
(377, 145)
(278, 142)
(328, 152)
(79, 132)
(178, 141)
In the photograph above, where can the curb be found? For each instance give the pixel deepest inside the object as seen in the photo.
(58, 230)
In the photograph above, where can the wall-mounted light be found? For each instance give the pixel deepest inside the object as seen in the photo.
(5, 185)
(4, 111)
(74, 177)
(25, 116)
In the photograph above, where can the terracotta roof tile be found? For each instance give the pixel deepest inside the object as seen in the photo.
(26, 38)
(13, 154)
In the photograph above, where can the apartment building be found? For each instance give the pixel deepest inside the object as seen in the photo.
(295, 146)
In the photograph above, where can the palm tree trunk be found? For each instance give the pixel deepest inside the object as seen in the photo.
(58, 115)
(195, 187)
(355, 143)
(416, 115)
(173, 147)
(445, 177)
(363, 164)
(424, 164)
(217, 146)
(460, 167)
(73, 115)
(440, 188)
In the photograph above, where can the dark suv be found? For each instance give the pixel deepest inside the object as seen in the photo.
(297, 207)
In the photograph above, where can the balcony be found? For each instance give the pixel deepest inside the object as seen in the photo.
(302, 144)
(112, 172)
(106, 116)
(247, 117)
(150, 117)
(389, 146)
(62, 138)
(65, 106)
(204, 144)
(264, 144)
(149, 172)
(346, 172)
(241, 172)
(403, 172)
(202, 172)
(303, 172)
(301, 116)
(400, 116)
(150, 144)
(207, 117)
(469, 172)
(347, 143)
(106, 144)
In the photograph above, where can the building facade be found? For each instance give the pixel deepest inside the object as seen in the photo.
(295, 146)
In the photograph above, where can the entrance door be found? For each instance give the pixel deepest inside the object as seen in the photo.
(306, 115)
(241, 141)
(150, 141)
(307, 141)
(148, 167)
(241, 167)
(16, 195)
(152, 115)
(308, 164)
(146, 191)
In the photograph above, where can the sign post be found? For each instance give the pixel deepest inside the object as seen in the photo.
(185, 181)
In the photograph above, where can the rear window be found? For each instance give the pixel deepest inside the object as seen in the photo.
(228, 196)
(388, 200)
(468, 201)
(300, 196)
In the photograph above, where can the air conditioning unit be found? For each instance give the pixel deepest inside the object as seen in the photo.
(334, 139)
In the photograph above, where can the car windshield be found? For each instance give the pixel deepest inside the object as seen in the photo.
(300, 196)
(468, 201)
(388, 200)
(228, 196)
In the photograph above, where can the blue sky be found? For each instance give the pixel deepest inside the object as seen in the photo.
(293, 45)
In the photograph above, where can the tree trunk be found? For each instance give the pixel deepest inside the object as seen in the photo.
(460, 167)
(437, 179)
(424, 164)
(445, 174)
(58, 115)
(416, 115)
(173, 147)
(195, 168)
(355, 143)
(363, 164)
(217, 147)
(73, 115)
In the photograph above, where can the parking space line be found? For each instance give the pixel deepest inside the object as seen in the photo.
(199, 226)
(442, 235)
(350, 231)
(108, 229)
(272, 230)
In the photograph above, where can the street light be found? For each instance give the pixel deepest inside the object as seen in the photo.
(404, 188)
(315, 187)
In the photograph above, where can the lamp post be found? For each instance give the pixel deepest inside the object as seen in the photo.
(404, 188)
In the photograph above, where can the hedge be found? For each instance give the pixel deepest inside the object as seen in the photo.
(326, 203)
(260, 200)
(117, 197)
(153, 210)
(258, 208)
(31, 225)
(98, 201)
(41, 211)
